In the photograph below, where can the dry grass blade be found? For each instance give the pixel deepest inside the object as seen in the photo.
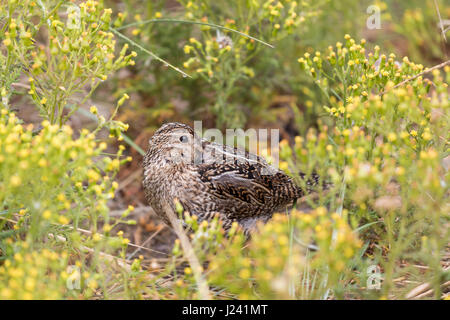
(132, 177)
(424, 289)
(198, 23)
(441, 24)
(189, 253)
(121, 262)
(154, 56)
(142, 246)
(129, 244)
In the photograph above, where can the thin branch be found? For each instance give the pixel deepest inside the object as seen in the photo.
(439, 66)
(130, 244)
(21, 85)
(121, 262)
(142, 246)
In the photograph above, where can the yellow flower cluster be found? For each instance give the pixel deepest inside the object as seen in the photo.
(37, 274)
(288, 235)
(222, 57)
(81, 47)
(50, 174)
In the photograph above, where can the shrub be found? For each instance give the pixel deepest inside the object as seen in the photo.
(236, 85)
(381, 147)
(375, 129)
(384, 153)
(55, 183)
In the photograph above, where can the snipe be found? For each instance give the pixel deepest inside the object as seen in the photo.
(209, 178)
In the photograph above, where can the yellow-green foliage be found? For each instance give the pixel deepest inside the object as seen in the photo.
(419, 23)
(38, 274)
(382, 149)
(276, 261)
(51, 185)
(33, 167)
(55, 183)
(81, 51)
(384, 154)
(222, 58)
(379, 144)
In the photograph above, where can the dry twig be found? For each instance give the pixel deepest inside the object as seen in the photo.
(428, 70)
(189, 253)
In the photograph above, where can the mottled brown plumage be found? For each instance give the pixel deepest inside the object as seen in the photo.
(209, 178)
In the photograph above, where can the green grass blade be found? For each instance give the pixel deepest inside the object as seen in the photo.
(154, 56)
(212, 25)
(132, 144)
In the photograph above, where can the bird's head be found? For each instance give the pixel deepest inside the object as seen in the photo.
(173, 143)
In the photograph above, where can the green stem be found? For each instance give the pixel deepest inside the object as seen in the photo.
(198, 23)
(154, 56)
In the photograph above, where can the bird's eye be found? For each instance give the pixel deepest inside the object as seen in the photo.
(184, 139)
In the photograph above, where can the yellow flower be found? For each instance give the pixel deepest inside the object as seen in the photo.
(350, 151)
(307, 218)
(63, 220)
(392, 137)
(400, 171)
(94, 109)
(93, 175)
(348, 252)
(30, 284)
(46, 214)
(283, 240)
(96, 236)
(7, 42)
(15, 181)
(340, 265)
(426, 136)
(115, 164)
(244, 273)
(93, 284)
(321, 211)
(284, 166)
(179, 283)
